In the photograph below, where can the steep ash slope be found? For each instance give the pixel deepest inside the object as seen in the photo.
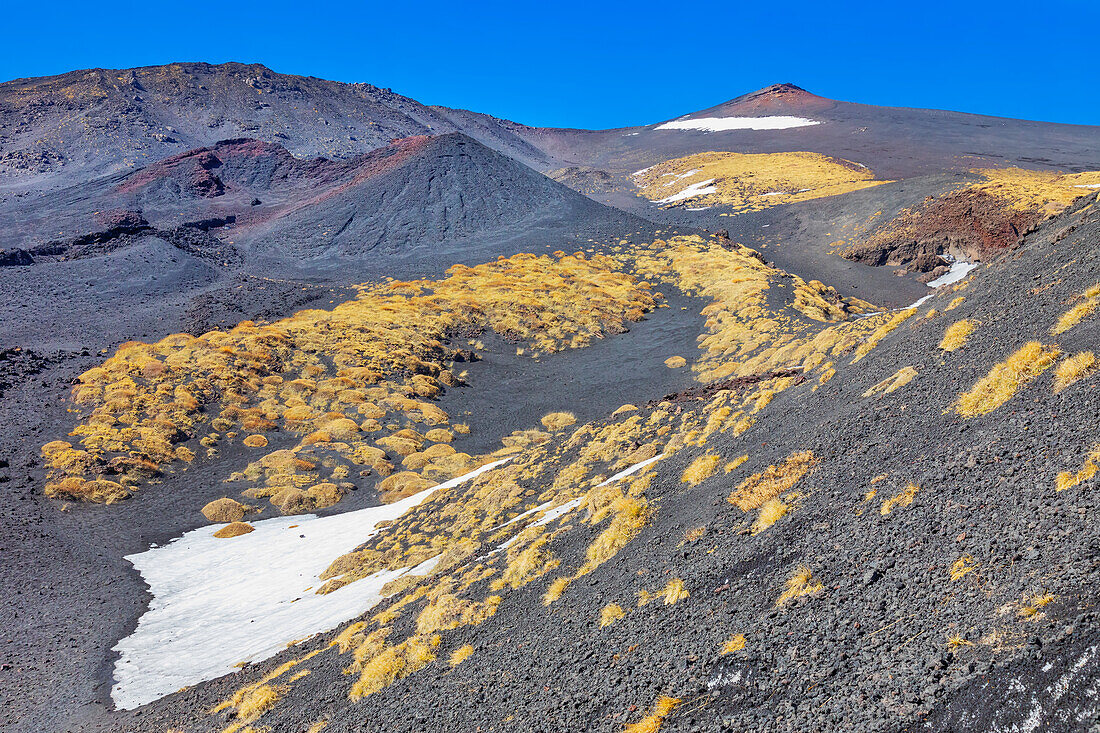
(889, 551)
(447, 198)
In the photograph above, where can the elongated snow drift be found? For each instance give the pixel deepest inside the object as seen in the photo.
(219, 602)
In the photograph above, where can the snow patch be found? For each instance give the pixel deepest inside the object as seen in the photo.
(719, 124)
(701, 188)
(219, 602)
(628, 471)
(1087, 185)
(959, 269)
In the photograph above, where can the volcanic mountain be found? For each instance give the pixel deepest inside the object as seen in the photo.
(324, 409)
(87, 123)
(411, 200)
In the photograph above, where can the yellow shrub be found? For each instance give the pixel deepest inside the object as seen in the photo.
(558, 420)
(1075, 315)
(611, 613)
(1006, 378)
(1074, 369)
(771, 482)
(773, 510)
(734, 644)
(956, 335)
(700, 470)
(652, 722)
(674, 591)
(1067, 480)
(896, 381)
(902, 499)
(800, 583)
(461, 654)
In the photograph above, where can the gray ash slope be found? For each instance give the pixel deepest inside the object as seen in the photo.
(54, 130)
(872, 650)
(157, 246)
(433, 198)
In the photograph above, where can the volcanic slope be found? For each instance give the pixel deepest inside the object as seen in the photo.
(401, 200)
(243, 211)
(895, 142)
(88, 123)
(921, 540)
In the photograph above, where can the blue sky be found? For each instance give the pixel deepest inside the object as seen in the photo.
(587, 64)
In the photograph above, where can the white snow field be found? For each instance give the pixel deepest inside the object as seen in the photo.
(219, 602)
(720, 124)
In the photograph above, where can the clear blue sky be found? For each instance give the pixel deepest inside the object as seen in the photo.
(587, 64)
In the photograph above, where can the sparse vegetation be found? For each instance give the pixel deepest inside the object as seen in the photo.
(734, 644)
(1073, 369)
(611, 613)
(331, 379)
(900, 500)
(800, 583)
(956, 335)
(1006, 378)
(653, 722)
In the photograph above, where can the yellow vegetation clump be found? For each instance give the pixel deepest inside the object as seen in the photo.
(1029, 190)
(394, 663)
(1006, 378)
(675, 362)
(956, 335)
(800, 583)
(255, 441)
(329, 377)
(896, 381)
(1081, 311)
(753, 181)
(773, 510)
(961, 567)
(1073, 369)
(224, 510)
(1067, 479)
(254, 699)
(558, 420)
(674, 592)
(902, 499)
(460, 655)
(882, 332)
(734, 644)
(734, 464)
(652, 722)
(234, 529)
(759, 488)
(700, 469)
(611, 613)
